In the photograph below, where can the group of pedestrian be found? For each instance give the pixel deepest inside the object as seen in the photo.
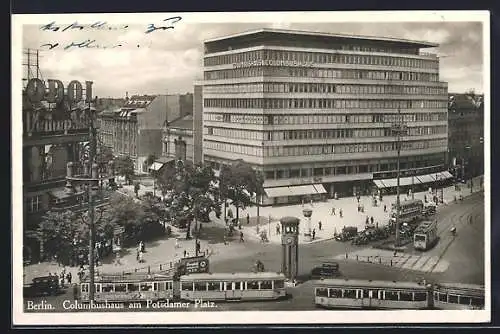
(333, 212)
(63, 277)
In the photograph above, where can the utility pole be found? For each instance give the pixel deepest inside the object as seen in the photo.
(398, 129)
(91, 177)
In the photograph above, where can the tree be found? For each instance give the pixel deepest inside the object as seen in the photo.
(66, 234)
(104, 155)
(129, 213)
(242, 185)
(193, 191)
(125, 166)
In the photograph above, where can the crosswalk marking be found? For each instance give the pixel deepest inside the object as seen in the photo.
(423, 263)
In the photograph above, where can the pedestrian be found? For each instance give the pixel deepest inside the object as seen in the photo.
(248, 219)
(176, 243)
(277, 229)
(185, 253)
(61, 281)
(313, 233)
(239, 225)
(199, 228)
(319, 225)
(75, 291)
(371, 219)
(137, 255)
(367, 220)
(68, 277)
(141, 257)
(302, 202)
(225, 240)
(385, 208)
(241, 237)
(230, 213)
(340, 213)
(333, 211)
(311, 202)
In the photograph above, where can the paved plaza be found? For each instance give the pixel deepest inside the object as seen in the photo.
(164, 251)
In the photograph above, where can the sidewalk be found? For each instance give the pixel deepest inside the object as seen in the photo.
(331, 223)
(158, 252)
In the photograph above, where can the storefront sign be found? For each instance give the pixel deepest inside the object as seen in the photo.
(54, 93)
(268, 62)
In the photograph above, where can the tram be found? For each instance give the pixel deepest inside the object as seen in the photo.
(133, 287)
(457, 296)
(233, 286)
(410, 211)
(368, 294)
(425, 235)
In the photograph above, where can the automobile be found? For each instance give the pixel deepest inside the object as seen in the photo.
(43, 285)
(327, 269)
(348, 233)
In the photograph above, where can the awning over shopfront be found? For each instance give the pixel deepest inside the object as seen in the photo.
(425, 178)
(415, 180)
(447, 175)
(319, 188)
(310, 189)
(156, 166)
(406, 181)
(302, 190)
(277, 192)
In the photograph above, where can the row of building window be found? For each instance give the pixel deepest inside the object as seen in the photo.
(323, 58)
(283, 151)
(319, 73)
(325, 88)
(277, 174)
(324, 104)
(324, 119)
(320, 134)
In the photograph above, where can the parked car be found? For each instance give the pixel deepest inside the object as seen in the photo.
(44, 285)
(325, 270)
(348, 233)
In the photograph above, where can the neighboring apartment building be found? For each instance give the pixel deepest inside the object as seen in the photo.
(136, 129)
(466, 135)
(313, 111)
(186, 133)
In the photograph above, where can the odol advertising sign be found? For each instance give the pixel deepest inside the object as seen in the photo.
(54, 92)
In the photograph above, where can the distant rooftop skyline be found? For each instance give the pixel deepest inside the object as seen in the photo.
(170, 62)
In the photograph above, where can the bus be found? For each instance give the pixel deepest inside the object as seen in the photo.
(458, 296)
(129, 287)
(410, 211)
(233, 286)
(425, 235)
(368, 294)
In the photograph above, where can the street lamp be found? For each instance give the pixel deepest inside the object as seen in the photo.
(398, 129)
(307, 214)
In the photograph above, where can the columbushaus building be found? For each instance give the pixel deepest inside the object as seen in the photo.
(314, 112)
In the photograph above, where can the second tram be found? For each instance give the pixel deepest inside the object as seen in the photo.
(233, 286)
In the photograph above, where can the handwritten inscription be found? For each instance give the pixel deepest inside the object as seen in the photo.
(166, 24)
(170, 21)
(89, 44)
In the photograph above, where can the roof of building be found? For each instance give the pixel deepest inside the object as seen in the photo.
(139, 101)
(420, 44)
(185, 122)
(465, 101)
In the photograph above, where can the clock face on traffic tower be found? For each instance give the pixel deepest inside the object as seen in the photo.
(289, 240)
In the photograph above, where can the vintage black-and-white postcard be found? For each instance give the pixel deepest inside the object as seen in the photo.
(264, 167)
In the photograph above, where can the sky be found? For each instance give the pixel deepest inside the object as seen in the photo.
(168, 61)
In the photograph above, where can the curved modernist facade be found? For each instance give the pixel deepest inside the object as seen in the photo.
(317, 109)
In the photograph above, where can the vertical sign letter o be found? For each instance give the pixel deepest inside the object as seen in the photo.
(74, 92)
(35, 90)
